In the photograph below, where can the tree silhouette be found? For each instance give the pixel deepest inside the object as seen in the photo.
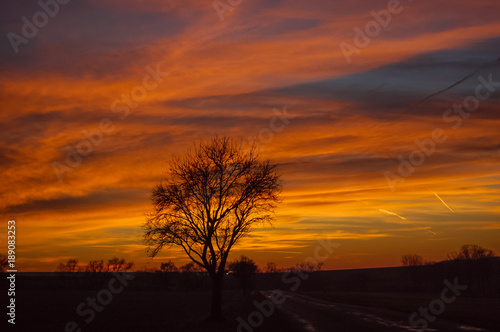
(243, 270)
(271, 267)
(95, 266)
(190, 268)
(412, 272)
(307, 267)
(168, 267)
(118, 265)
(473, 264)
(212, 198)
(71, 265)
(471, 252)
(412, 260)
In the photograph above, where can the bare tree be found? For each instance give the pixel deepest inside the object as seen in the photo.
(118, 265)
(71, 265)
(473, 264)
(413, 273)
(319, 266)
(95, 266)
(271, 267)
(307, 267)
(471, 252)
(190, 268)
(212, 198)
(412, 260)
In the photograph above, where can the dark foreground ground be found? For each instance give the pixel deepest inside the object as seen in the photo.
(133, 310)
(342, 301)
(473, 311)
(136, 311)
(324, 312)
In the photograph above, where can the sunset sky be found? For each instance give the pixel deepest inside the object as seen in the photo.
(352, 122)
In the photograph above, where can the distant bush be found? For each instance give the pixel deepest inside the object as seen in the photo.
(412, 260)
(168, 267)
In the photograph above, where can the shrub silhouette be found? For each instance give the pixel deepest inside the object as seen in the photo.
(243, 269)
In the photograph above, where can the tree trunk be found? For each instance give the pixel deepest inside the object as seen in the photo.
(216, 311)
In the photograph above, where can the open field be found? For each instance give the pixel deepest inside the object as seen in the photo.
(346, 300)
(138, 311)
(134, 310)
(477, 311)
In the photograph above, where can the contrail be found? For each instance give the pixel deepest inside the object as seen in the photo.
(456, 83)
(444, 203)
(393, 214)
(403, 218)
